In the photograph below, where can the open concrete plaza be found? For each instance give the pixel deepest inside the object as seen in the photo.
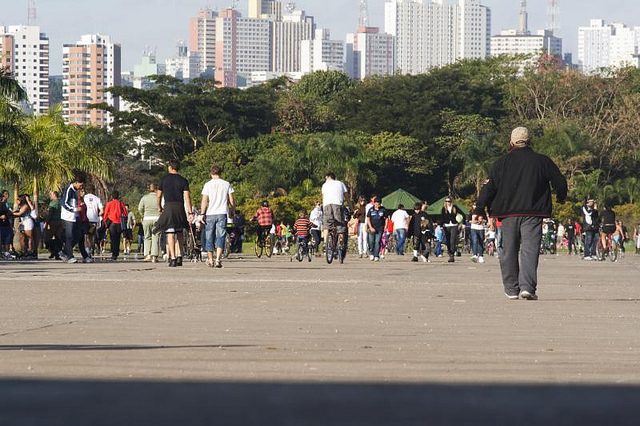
(272, 341)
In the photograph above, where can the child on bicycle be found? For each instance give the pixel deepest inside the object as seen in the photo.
(302, 227)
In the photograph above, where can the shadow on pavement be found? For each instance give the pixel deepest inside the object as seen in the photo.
(60, 402)
(110, 347)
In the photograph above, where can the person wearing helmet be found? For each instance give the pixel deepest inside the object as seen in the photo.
(264, 216)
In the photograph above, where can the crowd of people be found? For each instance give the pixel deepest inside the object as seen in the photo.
(78, 219)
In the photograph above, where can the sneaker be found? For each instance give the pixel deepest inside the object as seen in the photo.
(474, 259)
(172, 263)
(72, 260)
(587, 258)
(524, 294)
(371, 258)
(424, 259)
(62, 256)
(210, 263)
(381, 256)
(179, 261)
(414, 259)
(218, 264)
(480, 259)
(451, 259)
(88, 260)
(376, 259)
(511, 296)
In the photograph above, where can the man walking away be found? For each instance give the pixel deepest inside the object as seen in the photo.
(400, 219)
(217, 205)
(69, 214)
(95, 210)
(115, 214)
(148, 208)
(174, 218)
(518, 192)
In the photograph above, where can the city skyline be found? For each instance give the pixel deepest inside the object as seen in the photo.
(161, 24)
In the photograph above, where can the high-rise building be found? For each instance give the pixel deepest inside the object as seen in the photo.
(89, 67)
(185, 65)
(287, 34)
(435, 33)
(24, 51)
(265, 9)
(243, 46)
(322, 53)
(369, 53)
(202, 38)
(147, 68)
(602, 45)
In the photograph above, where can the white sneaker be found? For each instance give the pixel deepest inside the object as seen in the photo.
(376, 259)
(524, 294)
(72, 260)
(424, 259)
(481, 259)
(474, 257)
(88, 260)
(381, 256)
(587, 258)
(371, 258)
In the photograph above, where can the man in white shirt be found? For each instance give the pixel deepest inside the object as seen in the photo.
(95, 209)
(316, 225)
(217, 206)
(332, 200)
(400, 219)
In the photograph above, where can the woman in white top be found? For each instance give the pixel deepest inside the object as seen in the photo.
(477, 236)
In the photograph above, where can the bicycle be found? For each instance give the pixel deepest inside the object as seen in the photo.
(229, 241)
(609, 250)
(335, 246)
(303, 249)
(264, 245)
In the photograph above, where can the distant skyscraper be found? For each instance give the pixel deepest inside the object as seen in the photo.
(370, 53)
(185, 65)
(286, 37)
(322, 53)
(24, 51)
(88, 67)
(602, 45)
(202, 38)
(243, 46)
(436, 33)
(265, 9)
(147, 68)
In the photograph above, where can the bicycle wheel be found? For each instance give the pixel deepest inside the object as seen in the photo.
(329, 248)
(599, 251)
(227, 247)
(259, 247)
(309, 252)
(340, 249)
(299, 252)
(268, 246)
(613, 251)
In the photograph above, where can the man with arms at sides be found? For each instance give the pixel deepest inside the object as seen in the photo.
(176, 213)
(95, 210)
(217, 206)
(148, 208)
(518, 192)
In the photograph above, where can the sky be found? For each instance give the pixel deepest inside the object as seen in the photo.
(141, 25)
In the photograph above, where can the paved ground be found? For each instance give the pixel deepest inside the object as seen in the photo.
(276, 342)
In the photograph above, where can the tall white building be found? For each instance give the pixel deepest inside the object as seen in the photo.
(147, 68)
(185, 65)
(287, 34)
(602, 45)
(322, 53)
(243, 46)
(369, 53)
(435, 33)
(511, 42)
(202, 39)
(24, 51)
(89, 67)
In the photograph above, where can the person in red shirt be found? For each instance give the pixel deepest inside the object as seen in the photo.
(114, 212)
(264, 216)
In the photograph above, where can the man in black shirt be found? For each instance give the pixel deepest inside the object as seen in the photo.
(376, 220)
(420, 240)
(176, 214)
(518, 192)
(608, 221)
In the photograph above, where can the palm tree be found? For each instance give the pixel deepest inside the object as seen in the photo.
(10, 90)
(478, 154)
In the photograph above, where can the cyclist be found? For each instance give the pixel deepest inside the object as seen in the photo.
(332, 205)
(265, 218)
(608, 223)
(301, 228)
